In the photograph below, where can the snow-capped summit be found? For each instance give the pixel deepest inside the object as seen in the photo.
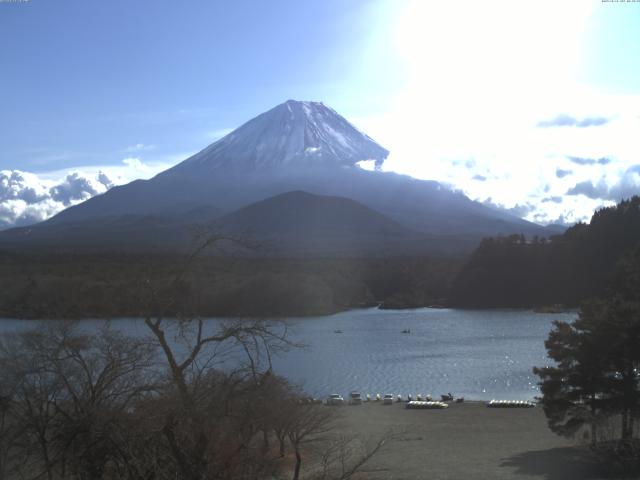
(296, 146)
(291, 135)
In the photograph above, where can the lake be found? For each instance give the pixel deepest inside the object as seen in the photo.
(478, 354)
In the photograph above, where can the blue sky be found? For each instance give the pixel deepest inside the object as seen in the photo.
(494, 98)
(84, 80)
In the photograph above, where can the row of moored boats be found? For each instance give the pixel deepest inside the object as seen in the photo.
(510, 404)
(420, 401)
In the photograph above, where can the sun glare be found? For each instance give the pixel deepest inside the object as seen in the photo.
(477, 78)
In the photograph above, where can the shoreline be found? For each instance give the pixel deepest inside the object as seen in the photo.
(327, 314)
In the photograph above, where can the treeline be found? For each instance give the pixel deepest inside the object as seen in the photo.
(110, 285)
(565, 269)
(512, 271)
(78, 405)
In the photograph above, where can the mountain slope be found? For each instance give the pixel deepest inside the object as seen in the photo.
(298, 146)
(292, 138)
(300, 223)
(122, 233)
(293, 224)
(290, 135)
(303, 214)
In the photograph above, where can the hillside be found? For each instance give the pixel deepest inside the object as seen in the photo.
(296, 146)
(514, 272)
(300, 223)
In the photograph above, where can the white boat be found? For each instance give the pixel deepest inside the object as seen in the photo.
(511, 404)
(415, 404)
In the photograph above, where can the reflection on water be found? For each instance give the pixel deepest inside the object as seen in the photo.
(476, 354)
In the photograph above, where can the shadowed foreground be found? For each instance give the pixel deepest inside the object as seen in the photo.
(468, 441)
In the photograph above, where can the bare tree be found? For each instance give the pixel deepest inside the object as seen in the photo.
(192, 347)
(196, 399)
(344, 456)
(312, 427)
(69, 394)
(307, 423)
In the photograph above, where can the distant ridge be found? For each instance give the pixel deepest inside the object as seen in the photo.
(295, 146)
(302, 213)
(302, 223)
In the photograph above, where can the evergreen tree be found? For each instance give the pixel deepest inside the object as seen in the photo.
(597, 372)
(573, 390)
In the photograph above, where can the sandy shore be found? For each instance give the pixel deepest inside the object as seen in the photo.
(466, 441)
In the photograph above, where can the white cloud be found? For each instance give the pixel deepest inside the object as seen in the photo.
(27, 198)
(610, 187)
(369, 165)
(16, 185)
(530, 164)
(491, 92)
(138, 166)
(139, 147)
(77, 187)
(130, 168)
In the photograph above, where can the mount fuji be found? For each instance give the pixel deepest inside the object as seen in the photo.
(294, 147)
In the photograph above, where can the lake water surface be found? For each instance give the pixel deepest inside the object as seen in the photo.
(478, 354)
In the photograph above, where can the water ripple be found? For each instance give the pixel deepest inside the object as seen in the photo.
(478, 354)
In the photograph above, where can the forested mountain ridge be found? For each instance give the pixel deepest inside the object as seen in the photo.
(565, 269)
